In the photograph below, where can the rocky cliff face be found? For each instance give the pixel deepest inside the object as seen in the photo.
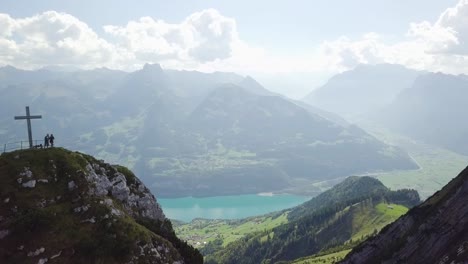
(59, 206)
(433, 232)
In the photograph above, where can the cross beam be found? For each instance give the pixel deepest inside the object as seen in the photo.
(28, 118)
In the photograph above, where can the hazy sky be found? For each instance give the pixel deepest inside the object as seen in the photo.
(319, 37)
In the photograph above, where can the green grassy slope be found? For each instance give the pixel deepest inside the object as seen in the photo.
(317, 234)
(366, 222)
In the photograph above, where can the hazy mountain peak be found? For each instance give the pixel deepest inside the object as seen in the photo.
(251, 85)
(9, 69)
(380, 66)
(149, 73)
(431, 110)
(156, 67)
(61, 68)
(438, 78)
(362, 90)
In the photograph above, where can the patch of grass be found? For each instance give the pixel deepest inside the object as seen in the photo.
(371, 219)
(391, 210)
(200, 231)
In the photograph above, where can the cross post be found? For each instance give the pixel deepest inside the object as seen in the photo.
(28, 118)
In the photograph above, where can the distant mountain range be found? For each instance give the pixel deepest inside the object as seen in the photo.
(190, 133)
(433, 109)
(367, 88)
(425, 106)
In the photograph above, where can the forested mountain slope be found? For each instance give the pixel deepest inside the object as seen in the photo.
(327, 221)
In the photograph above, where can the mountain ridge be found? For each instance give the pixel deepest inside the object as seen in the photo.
(430, 110)
(362, 90)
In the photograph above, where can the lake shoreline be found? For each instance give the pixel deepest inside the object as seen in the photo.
(228, 207)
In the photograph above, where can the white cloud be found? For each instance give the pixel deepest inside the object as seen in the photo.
(6, 25)
(345, 53)
(51, 38)
(213, 35)
(451, 28)
(209, 41)
(438, 46)
(202, 37)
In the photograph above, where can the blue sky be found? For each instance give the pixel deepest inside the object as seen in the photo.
(290, 38)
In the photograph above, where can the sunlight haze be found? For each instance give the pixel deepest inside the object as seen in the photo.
(263, 38)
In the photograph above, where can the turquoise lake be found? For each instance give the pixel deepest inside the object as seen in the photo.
(227, 207)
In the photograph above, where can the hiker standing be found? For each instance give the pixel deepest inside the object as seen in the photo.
(46, 141)
(51, 140)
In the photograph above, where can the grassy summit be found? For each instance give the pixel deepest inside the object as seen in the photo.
(59, 206)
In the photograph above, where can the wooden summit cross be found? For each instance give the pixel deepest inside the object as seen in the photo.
(28, 118)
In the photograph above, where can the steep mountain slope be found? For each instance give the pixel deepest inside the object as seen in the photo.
(325, 222)
(363, 89)
(66, 207)
(434, 232)
(431, 110)
(191, 133)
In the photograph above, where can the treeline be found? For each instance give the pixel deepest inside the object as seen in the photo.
(355, 188)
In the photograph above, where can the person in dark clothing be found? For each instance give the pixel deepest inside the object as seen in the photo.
(51, 140)
(46, 141)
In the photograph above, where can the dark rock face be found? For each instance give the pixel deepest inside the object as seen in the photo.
(59, 206)
(433, 232)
